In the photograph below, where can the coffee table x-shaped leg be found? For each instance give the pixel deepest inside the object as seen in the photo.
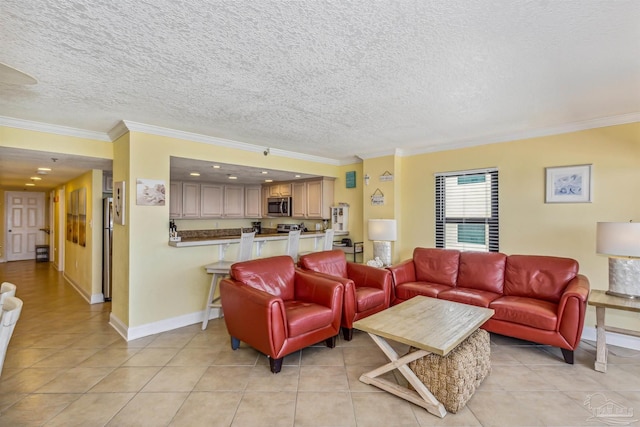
(421, 396)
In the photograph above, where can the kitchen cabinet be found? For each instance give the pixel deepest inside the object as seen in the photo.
(252, 201)
(299, 200)
(190, 200)
(175, 199)
(312, 199)
(280, 190)
(233, 201)
(211, 202)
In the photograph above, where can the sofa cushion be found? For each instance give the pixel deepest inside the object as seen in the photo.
(333, 263)
(273, 275)
(469, 296)
(368, 298)
(482, 270)
(409, 290)
(303, 317)
(436, 265)
(539, 277)
(531, 312)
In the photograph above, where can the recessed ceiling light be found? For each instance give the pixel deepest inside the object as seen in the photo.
(233, 177)
(36, 178)
(194, 174)
(44, 169)
(30, 184)
(216, 166)
(264, 172)
(268, 180)
(297, 176)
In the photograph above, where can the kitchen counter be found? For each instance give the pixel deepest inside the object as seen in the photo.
(260, 238)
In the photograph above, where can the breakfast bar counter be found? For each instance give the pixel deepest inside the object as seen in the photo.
(260, 239)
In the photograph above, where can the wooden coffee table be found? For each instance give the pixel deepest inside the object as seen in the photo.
(429, 324)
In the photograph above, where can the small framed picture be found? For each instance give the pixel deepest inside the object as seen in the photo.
(568, 184)
(118, 202)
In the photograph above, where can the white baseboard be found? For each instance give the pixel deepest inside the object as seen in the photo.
(620, 340)
(165, 325)
(91, 299)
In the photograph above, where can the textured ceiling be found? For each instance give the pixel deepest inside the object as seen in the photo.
(334, 79)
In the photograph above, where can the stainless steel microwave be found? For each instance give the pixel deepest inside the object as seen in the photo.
(279, 206)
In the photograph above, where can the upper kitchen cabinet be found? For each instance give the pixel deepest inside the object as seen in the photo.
(190, 200)
(175, 199)
(211, 203)
(253, 201)
(233, 201)
(280, 190)
(313, 199)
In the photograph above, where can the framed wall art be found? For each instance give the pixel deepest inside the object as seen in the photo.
(568, 184)
(118, 202)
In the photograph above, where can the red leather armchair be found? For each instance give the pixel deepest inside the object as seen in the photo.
(279, 309)
(367, 290)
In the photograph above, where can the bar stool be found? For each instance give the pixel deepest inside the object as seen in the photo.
(221, 268)
(293, 244)
(327, 245)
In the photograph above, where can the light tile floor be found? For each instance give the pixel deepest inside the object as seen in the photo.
(67, 367)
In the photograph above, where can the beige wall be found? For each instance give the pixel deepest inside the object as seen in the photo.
(528, 225)
(83, 264)
(154, 282)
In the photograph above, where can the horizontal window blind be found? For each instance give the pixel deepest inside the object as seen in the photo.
(467, 210)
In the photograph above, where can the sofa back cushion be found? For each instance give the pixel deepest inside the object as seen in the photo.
(436, 265)
(273, 275)
(482, 270)
(540, 277)
(332, 262)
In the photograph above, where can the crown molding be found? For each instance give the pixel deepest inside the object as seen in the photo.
(55, 129)
(533, 133)
(212, 140)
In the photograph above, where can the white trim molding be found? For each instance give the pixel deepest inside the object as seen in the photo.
(160, 326)
(54, 129)
(619, 340)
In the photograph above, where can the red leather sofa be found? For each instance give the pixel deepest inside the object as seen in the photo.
(535, 298)
(367, 290)
(279, 309)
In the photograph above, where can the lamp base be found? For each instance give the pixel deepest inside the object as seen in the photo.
(382, 250)
(624, 277)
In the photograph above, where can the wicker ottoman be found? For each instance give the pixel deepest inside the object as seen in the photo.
(454, 378)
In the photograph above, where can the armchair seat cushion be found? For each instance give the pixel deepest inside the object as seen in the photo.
(409, 290)
(526, 311)
(476, 297)
(303, 317)
(368, 298)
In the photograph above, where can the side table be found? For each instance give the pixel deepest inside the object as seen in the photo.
(601, 301)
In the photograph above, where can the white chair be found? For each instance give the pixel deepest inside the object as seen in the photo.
(11, 309)
(221, 268)
(293, 244)
(327, 245)
(7, 290)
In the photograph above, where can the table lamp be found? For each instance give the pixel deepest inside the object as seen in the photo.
(382, 232)
(621, 241)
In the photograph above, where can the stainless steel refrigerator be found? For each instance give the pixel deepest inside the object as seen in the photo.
(107, 238)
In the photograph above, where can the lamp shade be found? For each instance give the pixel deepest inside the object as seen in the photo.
(382, 229)
(618, 238)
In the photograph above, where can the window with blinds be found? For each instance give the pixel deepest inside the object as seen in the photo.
(467, 210)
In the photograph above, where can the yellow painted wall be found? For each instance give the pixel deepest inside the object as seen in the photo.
(2, 222)
(165, 282)
(353, 197)
(83, 264)
(43, 141)
(528, 225)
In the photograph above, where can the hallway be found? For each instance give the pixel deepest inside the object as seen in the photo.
(67, 367)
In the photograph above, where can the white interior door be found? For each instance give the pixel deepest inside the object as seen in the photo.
(25, 218)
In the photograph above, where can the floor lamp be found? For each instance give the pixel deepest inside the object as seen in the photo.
(382, 232)
(621, 241)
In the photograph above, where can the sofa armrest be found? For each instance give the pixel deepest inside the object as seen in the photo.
(370, 277)
(572, 308)
(253, 316)
(318, 289)
(403, 272)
